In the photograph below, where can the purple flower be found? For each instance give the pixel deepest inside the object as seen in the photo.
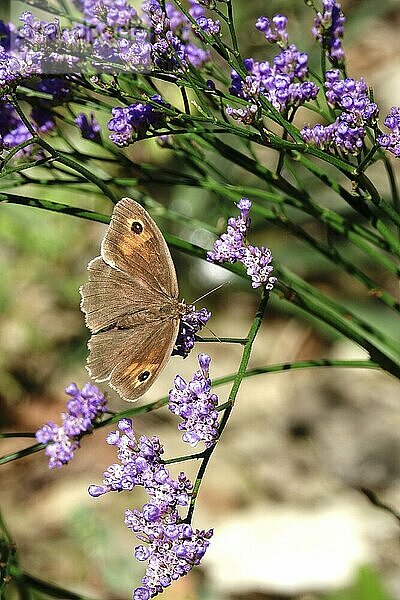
(350, 95)
(172, 48)
(347, 132)
(328, 30)
(172, 548)
(135, 119)
(208, 25)
(83, 409)
(391, 141)
(275, 31)
(90, 129)
(257, 262)
(282, 83)
(13, 70)
(109, 13)
(244, 114)
(135, 52)
(232, 246)
(190, 323)
(196, 405)
(229, 246)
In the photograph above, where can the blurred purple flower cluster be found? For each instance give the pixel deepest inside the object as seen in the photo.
(83, 409)
(90, 129)
(171, 547)
(232, 246)
(14, 132)
(328, 29)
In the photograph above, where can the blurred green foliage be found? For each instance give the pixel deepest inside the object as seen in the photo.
(367, 586)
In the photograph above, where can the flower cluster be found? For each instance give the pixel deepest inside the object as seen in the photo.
(275, 32)
(232, 246)
(112, 34)
(172, 48)
(83, 408)
(194, 402)
(14, 132)
(283, 83)
(190, 323)
(171, 547)
(118, 14)
(135, 120)
(347, 132)
(90, 129)
(13, 70)
(391, 141)
(328, 29)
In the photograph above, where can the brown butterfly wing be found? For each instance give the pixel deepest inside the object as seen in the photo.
(134, 244)
(130, 303)
(111, 298)
(131, 359)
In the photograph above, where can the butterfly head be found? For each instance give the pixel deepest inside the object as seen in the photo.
(184, 308)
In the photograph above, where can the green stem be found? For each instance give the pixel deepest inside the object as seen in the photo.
(225, 340)
(79, 168)
(49, 589)
(17, 435)
(232, 30)
(255, 326)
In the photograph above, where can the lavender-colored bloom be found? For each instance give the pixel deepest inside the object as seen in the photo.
(328, 30)
(350, 95)
(191, 323)
(13, 70)
(172, 48)
(232, 246)
(229, 246)
(118, 14)
(135, 52)
(275, 31)
(347, 132)
(208, 25)
(90, 129)
(244, 114)
(257, 262)
(171, 547)
(194, 402)
(196, 56)
(282, 83)
(12, 131)
(391, 141)
(83, 408)
(343, 134)
(135, 119)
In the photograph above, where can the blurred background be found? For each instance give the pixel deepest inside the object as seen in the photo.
(282, 491)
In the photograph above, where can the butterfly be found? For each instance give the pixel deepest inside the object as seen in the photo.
(131, 303)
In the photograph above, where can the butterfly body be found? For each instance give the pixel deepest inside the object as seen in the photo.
(131, 303)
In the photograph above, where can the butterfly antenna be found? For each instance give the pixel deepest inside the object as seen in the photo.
(213, 333)
(211, 292)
